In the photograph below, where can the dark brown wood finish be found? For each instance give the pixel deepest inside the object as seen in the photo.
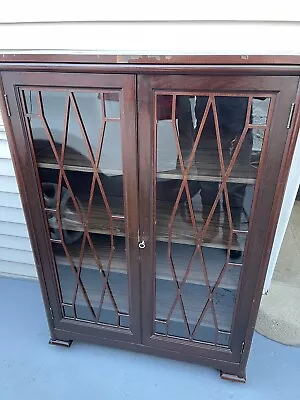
(186, 69)
(274, 75)
(242, 59)
(34, 210)
(180, 64)
(274, 144)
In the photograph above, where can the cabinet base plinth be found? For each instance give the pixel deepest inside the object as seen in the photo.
(233, 378)
(57, 342)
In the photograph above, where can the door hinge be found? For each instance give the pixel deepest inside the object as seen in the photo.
(51, 313)
(7, 105)
(292, 109)
(243, 348)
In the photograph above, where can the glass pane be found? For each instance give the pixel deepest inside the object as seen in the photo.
(31, 102)
(92, 265)
(112, 105)
(78, 120)
(68, 311)
(260, 108)
(72, 132)
(160, 327)
(204, 331)
(208, 154)
(124, 321)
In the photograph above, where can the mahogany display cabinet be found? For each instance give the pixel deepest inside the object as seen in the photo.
(152, 188)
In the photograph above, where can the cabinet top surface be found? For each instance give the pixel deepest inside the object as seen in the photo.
(151, 59)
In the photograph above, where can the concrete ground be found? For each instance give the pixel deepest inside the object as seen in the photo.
(279, 314)
(31, 369)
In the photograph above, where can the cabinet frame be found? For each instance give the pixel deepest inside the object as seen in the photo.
(190, 65)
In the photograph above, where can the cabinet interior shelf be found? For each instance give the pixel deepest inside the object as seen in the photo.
(78, 168)
(182, 229)
(214, 260)
(207, 169)
(203, 170)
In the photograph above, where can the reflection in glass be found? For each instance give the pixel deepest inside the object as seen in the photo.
(202, 222)
(90, 112)
(112, 105)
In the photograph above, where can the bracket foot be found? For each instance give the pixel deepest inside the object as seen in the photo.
(233, 378)
(57, 342)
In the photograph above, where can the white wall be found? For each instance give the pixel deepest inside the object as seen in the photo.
(154, 38)
(133, 10)
(16, 258)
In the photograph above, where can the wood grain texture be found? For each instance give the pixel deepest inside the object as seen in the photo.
(153, 59)
(182, 229)
(158, 69)
(204, 170)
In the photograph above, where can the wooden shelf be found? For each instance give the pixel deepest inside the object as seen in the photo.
(194, 298)
(79, 168)
(182, 230)
(73, 160)
(204, 170)
(206, 166)
(98, 221)
(214, 259)
(216, 235)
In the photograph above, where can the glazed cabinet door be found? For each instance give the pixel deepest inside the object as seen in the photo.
(206, 192)
(74, 137)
